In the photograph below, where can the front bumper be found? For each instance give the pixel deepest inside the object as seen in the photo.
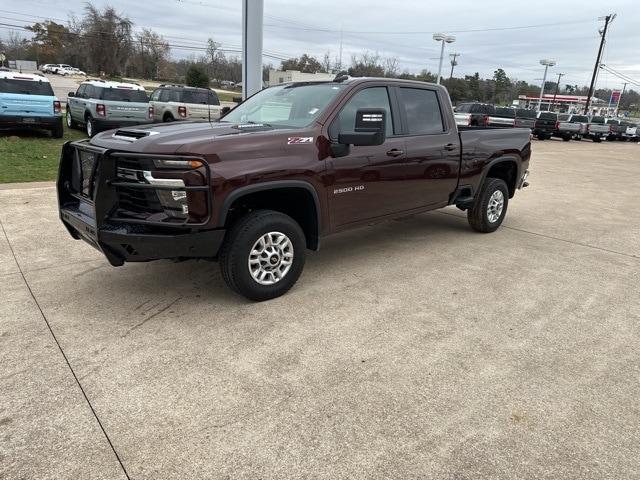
(15, 121)
(91, 209)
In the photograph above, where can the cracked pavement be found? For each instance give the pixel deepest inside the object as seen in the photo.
(411, 349)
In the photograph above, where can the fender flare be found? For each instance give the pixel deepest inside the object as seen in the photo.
(272, 185)
(502, 159)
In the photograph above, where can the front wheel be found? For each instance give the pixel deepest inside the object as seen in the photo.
(490, 207)
(263, 255)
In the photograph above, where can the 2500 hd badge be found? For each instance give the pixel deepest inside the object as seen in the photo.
(348, 189)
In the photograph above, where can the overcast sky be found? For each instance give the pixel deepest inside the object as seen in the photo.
(401, 29)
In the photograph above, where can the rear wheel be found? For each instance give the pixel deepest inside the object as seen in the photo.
(57, 131)
(168, 118)
(490, 207)
(263, 255)
(91, 126)
(597, 139)
(542, 136)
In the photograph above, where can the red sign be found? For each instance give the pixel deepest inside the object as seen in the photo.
(615, 97)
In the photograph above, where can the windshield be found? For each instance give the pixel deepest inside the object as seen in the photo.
(285, 106)
(124, 95)
(26, 87)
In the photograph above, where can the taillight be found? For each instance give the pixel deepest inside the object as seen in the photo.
(610, 128)
(150, 113)
(56, 106)
(182, 111)
(485, 120)
(468, 120)
(557, 125)
(101, 109)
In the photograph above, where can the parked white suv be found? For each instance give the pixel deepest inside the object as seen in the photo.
(177, 102)
(71, 71)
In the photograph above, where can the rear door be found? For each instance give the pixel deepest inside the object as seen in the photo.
(432, 147)
(367, 183)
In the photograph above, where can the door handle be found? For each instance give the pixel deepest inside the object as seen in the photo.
(394, 152)
(450, 146)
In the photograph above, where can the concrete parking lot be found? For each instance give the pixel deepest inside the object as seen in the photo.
(410, 349)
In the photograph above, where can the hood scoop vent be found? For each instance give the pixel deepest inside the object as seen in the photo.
(131, 135)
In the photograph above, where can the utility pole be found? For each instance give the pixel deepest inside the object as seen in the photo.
(555, 94)
(609, 18)
(454, 62)
(624, 87)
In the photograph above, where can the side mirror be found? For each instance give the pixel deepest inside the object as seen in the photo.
(71, 94)
(225, 110)
(370, 128)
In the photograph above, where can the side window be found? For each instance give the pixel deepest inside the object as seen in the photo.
(155, 95)
(174, 96)
(164, 95)
(423, 111)
(213, 98)
(373, 97)
(81, 91)
(92, 92)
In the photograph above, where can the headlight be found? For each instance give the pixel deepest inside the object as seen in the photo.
(183, 164)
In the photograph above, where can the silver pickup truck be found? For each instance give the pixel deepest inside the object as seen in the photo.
(582, 122)
(565, 129)
(597, 129)
(102, 105)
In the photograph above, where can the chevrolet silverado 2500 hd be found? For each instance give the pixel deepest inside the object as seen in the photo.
(290, 165)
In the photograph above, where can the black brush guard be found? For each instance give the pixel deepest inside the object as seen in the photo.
(89, 208)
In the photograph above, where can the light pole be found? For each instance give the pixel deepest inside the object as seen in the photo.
(547, 63)
(441, 37)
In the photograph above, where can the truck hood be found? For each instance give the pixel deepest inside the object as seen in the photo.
(183, 137)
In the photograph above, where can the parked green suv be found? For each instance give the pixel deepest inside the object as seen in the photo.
(102, 105)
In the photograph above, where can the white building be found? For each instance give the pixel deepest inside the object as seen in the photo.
(276, 77)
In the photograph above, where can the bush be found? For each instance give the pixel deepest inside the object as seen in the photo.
(196, 77)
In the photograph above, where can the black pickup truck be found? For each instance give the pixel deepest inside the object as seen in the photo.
(288, 166)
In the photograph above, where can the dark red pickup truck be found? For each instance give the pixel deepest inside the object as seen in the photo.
(290, 165)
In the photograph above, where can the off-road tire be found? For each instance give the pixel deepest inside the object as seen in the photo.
(58, 130)
(240, 239)
(478, 216)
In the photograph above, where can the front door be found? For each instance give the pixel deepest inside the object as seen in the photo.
(366, 183)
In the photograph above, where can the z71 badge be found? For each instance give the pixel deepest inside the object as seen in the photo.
(297, 140)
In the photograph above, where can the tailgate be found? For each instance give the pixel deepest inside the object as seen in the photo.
(26, 105)
(129, 111)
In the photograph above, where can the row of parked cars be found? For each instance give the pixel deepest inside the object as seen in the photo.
(28, 101)
(61, 69)
(545, 124)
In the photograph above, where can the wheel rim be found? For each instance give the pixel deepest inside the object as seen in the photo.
(68, 120)
(89, 127)
(495, 207)
(270, 258)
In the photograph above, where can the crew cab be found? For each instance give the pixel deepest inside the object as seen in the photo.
(285, 168)
(473, 114)
(27, 102)
(545, 125)
(100, 105)
(597, 129)
(502, 117)
(525, 118)
(565, 129)
(581, 122)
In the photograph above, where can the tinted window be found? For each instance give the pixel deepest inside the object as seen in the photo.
(124, 95)
(155, 95)
(524, 113)
(423, 111)
(25, 87)
(91, 91)
(579, 119)
(81, 91)
(482, 108)
(464, 108)
(164, 95)
(597, 120)
(198, 96)
(505, 112)
(213, 98)
(172, 95)
(374, 97)
(548, 116)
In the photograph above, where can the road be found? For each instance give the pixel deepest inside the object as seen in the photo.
(410, 349)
